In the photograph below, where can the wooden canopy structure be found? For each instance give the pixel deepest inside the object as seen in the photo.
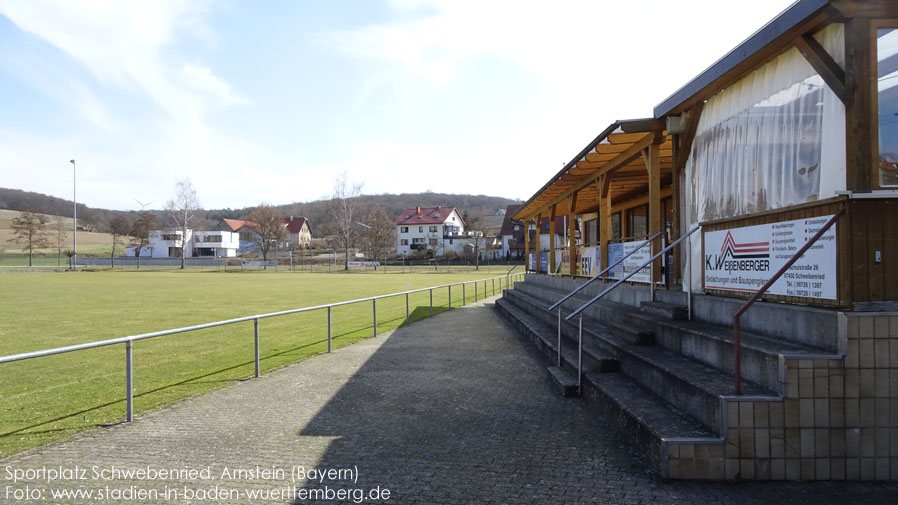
(630, 163)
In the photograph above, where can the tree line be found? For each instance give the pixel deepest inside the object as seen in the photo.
(346, 220)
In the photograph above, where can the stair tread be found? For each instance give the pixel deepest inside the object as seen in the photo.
(548, 334)
(699, 375)
(649, 410)
(749, 340)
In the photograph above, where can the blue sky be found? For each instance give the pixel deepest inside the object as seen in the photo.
(270, 101)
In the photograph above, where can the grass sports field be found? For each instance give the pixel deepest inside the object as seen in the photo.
(50, 398)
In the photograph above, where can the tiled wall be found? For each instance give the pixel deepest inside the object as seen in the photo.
(838, 420)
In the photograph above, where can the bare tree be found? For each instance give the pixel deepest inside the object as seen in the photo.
(140, 231)
(380, 234)
(267, 227)
(118, 228)
(29, 232)
(343, 214)
(183, 210)
(61, 230)
(476, 237)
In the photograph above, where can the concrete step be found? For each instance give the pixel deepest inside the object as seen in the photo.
(664, 310)
(693, 387)
(546, 339)
(566, 382)
(706, 343)
(651, 424)
(633, 335)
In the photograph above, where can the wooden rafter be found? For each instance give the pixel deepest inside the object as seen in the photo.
(833, 75)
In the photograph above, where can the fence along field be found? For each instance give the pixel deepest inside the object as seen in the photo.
(53, 397)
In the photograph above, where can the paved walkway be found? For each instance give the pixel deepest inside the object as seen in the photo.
(454, 409)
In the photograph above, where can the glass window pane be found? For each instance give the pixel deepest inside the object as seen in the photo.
(887, 72)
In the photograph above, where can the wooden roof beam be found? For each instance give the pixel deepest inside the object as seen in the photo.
(833, 75)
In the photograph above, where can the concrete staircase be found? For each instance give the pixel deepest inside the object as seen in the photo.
(663, 380)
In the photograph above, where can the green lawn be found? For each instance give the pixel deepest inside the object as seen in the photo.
(50, 398)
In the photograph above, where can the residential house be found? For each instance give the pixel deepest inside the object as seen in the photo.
(440, 229)
(168, 244)
(299, 232)
(512, 234)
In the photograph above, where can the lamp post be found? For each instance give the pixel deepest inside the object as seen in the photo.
(74, 218)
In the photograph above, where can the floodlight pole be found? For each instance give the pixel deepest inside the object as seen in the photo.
(74, 218)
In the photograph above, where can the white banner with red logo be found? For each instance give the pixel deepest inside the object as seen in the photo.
(744, 259)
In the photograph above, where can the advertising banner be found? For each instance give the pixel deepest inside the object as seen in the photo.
(544, 262)
(617, 251)
(531, 262)
(589, 261)
(744, 259)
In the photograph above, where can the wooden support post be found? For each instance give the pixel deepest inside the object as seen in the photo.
(571, 231)
(861, 120)
(539, 242)
(675, 223)
(603, 185)
(527, 244)
(653, 166)
(550, 267)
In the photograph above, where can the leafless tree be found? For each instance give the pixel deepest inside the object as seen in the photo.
(140, 231)
(60, 228)
(184, 211)
(267, 227)
(380, 234)
(476, 237)
(29, 232)
(118, 228)
(343, 214)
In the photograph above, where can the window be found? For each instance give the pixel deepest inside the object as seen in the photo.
(403, 229)
(887, 77)
(615, 226)
(420, 229)
(418, 240)
(432, 229)
(637, 221)
(171, 236)
(436, 216)
(404, 241)
(433, 241)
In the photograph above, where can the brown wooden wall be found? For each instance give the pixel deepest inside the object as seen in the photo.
(874, 227)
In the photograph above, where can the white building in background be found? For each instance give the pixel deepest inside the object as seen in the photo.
(441, 229)
(206, 244)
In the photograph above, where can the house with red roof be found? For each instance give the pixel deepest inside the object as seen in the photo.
(440, 229)
(299, 232)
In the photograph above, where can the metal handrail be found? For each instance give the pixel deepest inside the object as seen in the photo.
(616, 263)
(737, 329)
(631, 274)
(129, 340)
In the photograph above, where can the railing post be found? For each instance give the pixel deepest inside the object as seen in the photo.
(689, 279)
(256, 331)
(559, 336)
(493, 282)
(374, 313)
(737, 357)
(580, 357)
(431, 303)
(450, 296)
(129, 382)
(652, 270)
(329, 329)
(475, 291)
(406, 308)
(464, 297)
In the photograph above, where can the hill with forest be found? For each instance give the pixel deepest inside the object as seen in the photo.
(97, 219)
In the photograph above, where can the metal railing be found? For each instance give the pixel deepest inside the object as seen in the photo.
(581, 286)
(737, 330)
(611, 288)
(129, 340)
